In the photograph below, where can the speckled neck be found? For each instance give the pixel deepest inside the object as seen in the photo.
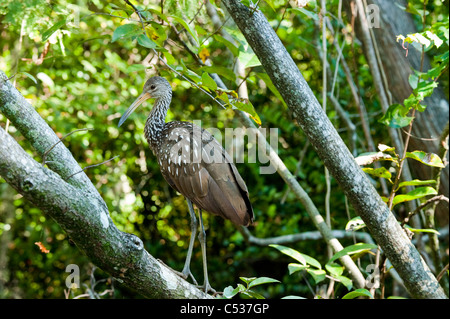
(156, 121)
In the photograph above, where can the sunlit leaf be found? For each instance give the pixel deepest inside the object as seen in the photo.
(358, 293)
(416, 182)
(136, 68)
(261, 281)
(309, 14)
(187, 27)
(353, 249)
(126, 31)
(396, 116)
(378, 172)
(334, 269)
(347, 282)
(48, 33)
(248, 59)
(291, 253)
(429, 159)
(233, 48)
(355, 224)
(144, 41)
(423, 230)
(293, 268)
(247, 106)
(208, 82)
(302, 258)
(414, 194)
(32, 78)
(317, 274)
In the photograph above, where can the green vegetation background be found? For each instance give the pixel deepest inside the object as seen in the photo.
(86, 81)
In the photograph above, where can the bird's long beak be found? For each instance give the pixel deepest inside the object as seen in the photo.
(141, 98)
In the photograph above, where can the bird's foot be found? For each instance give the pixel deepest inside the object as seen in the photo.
(187, 273)
(183, 274)
(206, 287)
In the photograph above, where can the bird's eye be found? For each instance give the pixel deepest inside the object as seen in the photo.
(152, 87)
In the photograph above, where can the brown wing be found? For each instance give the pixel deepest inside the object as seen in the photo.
(197, 166)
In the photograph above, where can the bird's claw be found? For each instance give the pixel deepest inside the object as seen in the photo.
(206, 287)
(183, 274)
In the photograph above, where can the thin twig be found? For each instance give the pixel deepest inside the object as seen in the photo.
(432, 200)
(441, 274)
(91, 166)
(44, 156)
(167, 65)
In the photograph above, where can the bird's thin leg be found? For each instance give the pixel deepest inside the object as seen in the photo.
(202, 238)
(186, 269)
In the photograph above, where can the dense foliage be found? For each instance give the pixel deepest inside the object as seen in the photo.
(81, 65)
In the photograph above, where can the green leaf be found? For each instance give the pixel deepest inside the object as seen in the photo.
(358, 293)
(414, 194)
(272, 88)
(48, 33)
(293, 268)
(208, 82)
(261, 281)
(253, 294)
(247, 280)
(126, 31)
(429, 159)
(416, 182)
(136, 68)
(309, 14)
(425, 88)
(353, 249)
(144, 41)
(355, 224)
(378, 172)
(302, 258)
(187, 27)
(248, 58)
(229, 292)
(317, 274)
(32, 78)
(233, 48)
(347, 282)
(396, 116)
(271, 4)
(291, 253)
(334, 269)
(423, 230)
(413, 80)
(222, 71)
(247, 106)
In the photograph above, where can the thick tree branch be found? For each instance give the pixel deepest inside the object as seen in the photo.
(42, 138)
(83, 215)
(283, 171)
(382, 224)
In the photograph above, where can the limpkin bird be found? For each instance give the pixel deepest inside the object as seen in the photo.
(194, 163)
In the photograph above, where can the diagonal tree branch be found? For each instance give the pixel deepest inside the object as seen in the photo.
(42, 138)
(82, 214)
(295, 91)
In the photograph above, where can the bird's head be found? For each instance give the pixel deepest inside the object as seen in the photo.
(156, 87)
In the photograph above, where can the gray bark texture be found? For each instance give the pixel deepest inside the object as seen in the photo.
(76, 205)
(289, 81)
(397, 66)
